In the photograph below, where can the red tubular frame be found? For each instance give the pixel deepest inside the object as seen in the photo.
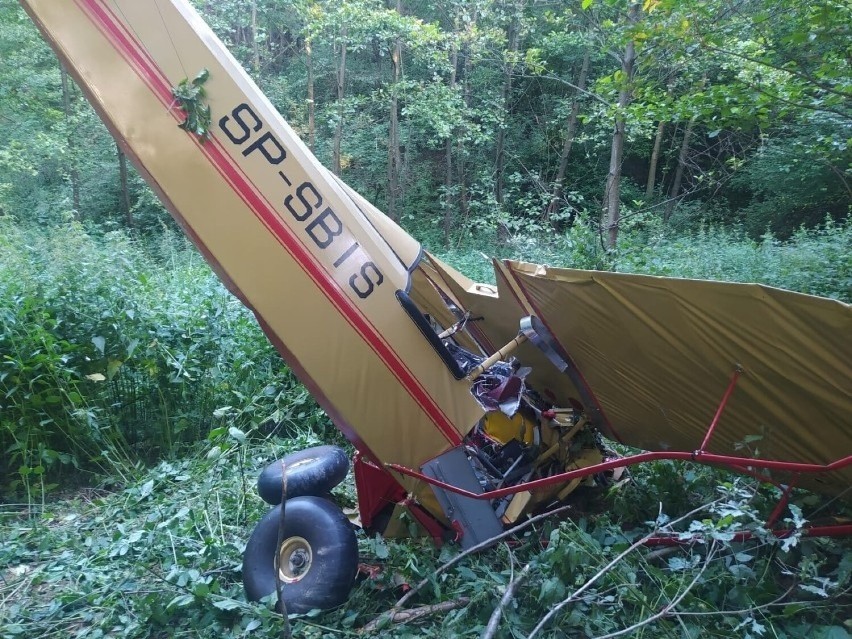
(744, 465)
(728, 392)
(782, 503)
(732, 462)
(839, 530)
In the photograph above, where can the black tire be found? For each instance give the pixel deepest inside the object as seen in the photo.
(316, 534)
(313, 471)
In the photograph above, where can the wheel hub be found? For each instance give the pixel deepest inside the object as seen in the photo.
(294, 559)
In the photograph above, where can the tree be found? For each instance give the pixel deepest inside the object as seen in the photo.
(394, 154)
(513, 37)
(570, 131)
(612, 191)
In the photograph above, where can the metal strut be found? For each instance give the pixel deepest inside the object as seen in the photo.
(727, 396)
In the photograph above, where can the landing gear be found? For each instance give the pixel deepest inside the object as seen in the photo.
(317, 560)
(313, 471)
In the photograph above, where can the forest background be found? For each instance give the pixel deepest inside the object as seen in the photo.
(696, 138)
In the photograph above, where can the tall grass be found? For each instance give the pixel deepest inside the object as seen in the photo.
(115, 351)
(817, 261)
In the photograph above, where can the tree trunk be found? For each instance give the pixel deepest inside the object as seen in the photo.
(125, 193)
(513, 36)
(312, 127)
(681, 165)
(254, 46)
(448, 150)
(655, 159)
(394, 156)
(341, 79)
(72, 169)
(461, 156)
(612, 193)
(570, 132)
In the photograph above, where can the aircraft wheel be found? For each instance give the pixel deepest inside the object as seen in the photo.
(318, 556)
(313, 471)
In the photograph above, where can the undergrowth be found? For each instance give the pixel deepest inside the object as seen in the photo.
(161, 558)
(116, 352)
(816, 261)
(139, 399)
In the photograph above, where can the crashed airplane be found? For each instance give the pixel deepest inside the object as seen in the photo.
(470, 406)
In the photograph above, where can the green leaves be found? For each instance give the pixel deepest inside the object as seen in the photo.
(190, 97)
(146, 489)
(99, 343)
(86, 386)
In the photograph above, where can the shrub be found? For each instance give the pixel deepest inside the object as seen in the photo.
(116, 351)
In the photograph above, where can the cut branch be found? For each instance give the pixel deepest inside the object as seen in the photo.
(474, 549)
(413, 614)
(511, 589)
(641, 542)
(669, 609)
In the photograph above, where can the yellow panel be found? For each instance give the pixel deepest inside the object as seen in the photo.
(659, 353)
(278, 228)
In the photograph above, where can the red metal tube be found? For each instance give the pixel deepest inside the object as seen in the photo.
(728, 392)
(782, 504)
(706, 458)
(838, 530)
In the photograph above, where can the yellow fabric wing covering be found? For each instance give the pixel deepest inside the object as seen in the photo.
(659, 353)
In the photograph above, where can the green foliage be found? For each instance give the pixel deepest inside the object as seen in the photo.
(121, 350)
(190, 96)
(161, 557)
(809, 162)
(118, 351)
(115, 351)
(767, 87)
(815, 261)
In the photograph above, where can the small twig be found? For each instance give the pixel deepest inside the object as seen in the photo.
(578, 89)
(286, 631)
(327, 629)
(668, 609)
(474, 549)
(511, 589)
(413, 614)
(797, 72)
(711, 613)
(452, 562)
(555, 610)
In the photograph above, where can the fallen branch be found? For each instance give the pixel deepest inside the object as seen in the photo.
(474, 549)
(452, 562)
(781, 600)
(413, 614)
(669, 609)
(641, 542)
(511, 589)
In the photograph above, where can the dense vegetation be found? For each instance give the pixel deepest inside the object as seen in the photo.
(120, 352)
(138, 398)
(496, 118)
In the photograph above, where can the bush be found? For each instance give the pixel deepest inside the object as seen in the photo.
(116, 351)
(817, 261)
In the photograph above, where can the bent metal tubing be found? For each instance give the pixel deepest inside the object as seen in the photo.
(732, 462)
(837, 530)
